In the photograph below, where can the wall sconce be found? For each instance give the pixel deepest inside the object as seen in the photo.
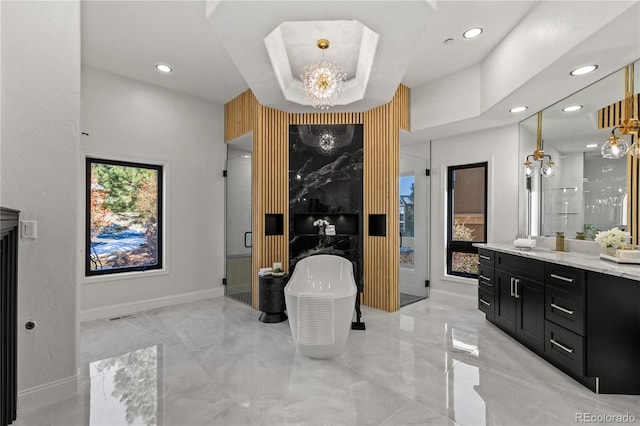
(616, 147)
(548, 168)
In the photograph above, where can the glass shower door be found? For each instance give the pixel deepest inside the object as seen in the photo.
(238, 225)
(414, 220)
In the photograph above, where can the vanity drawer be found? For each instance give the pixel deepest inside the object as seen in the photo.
(519, 265)
(565, 309)
(565, 278)
(486, 303)
(486, 257)
(485, 277)
(564, 347)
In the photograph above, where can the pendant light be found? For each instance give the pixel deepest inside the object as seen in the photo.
(547, 168)
(616, 147)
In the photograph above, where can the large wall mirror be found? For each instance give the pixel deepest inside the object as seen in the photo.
(588, 193)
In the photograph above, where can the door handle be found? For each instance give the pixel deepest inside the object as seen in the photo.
(517, 283)
(249, 244)
(512, 290)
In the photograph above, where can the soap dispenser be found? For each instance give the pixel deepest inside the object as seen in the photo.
(559, 241)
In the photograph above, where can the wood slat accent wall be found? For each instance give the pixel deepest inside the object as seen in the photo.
(403, 98)
(270, 189)
(240, 115)
(381, 196)
(609, 117)
(633, 189)
(326, 118)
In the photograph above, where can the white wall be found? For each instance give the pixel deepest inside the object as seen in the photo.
(128, 120)
(40, 54)
(498, 147)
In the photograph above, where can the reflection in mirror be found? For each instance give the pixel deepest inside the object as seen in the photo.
(589, 192)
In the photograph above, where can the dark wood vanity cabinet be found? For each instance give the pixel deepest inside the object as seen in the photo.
(9, 220)
(486, 283)
(505, 309)
(585, 323)
(612, 333)
(519, 298)
(565, 317)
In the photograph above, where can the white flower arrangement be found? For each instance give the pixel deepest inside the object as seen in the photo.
(612, 238)
(320, 222)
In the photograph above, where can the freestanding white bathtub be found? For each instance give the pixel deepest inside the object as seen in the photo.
(320, 298)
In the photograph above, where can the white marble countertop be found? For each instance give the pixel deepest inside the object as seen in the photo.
(589, 262)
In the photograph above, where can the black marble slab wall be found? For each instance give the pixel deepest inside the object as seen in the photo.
(325, 182)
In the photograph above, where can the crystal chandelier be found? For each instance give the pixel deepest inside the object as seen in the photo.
(323, 81)
(327, 143)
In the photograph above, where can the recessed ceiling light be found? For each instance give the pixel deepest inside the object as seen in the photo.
(518, 109)
(592, 145)
(472, 32)
(164, 68)
(572, 108)
(584, 70)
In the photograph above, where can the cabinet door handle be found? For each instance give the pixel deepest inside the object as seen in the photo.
(512, 290)
(560, 277)
(560, 308)
(517, 283)
(485, 278)
(484, 302)
(483, 257)
(561, 346)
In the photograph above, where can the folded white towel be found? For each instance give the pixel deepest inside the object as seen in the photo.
(524, 243)
(628, 254)
(330, 230)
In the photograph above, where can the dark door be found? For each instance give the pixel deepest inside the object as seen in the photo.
(505, 303)
(530, 313)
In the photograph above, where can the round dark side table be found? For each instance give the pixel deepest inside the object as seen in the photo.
(271, 298)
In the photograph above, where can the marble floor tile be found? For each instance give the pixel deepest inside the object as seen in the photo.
(434, 362)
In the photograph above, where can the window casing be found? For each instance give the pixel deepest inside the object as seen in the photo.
(466, 217)
(406, 221)
(124, 221)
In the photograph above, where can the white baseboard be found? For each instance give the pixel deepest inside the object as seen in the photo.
(48, 393)
(144, 305)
